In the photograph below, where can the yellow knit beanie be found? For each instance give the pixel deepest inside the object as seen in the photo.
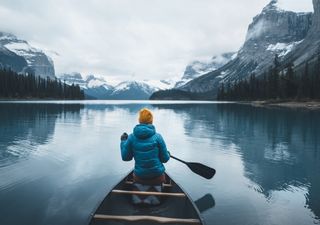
(145, 116)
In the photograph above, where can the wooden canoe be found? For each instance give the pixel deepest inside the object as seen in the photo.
(176, 208)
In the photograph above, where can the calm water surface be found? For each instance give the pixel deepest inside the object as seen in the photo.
(58, 160)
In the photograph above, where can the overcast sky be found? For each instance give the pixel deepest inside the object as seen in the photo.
(133, 39)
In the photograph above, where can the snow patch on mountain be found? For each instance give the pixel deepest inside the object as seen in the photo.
(127, 85)
(93, 82)
(222, 74)
(202, 67)
(73, 78)
(198, 68)
(161, 84)
(283, 49)
(25, 50)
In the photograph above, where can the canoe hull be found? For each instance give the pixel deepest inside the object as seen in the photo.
(177, 208)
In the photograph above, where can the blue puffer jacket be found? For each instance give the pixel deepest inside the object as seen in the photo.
(148, 150)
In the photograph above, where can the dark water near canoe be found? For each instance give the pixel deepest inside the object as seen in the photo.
(57, 161)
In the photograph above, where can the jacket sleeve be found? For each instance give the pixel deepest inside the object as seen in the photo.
(126, 149)
(163, 152)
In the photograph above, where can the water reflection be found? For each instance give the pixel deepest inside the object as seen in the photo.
(64, 158)
(279, 147)
(25, 126)
(204, 203)
(282, 151)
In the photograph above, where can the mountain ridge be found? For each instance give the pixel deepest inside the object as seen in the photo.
(99, 88)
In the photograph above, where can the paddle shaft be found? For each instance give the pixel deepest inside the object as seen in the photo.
(180, 160)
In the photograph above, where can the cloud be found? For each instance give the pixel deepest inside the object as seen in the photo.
(121, 38)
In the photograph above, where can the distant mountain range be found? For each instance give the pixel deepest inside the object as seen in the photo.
(98, 88)
(22, 58)
(293, 36)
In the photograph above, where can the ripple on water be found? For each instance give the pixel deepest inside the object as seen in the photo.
(16, 151)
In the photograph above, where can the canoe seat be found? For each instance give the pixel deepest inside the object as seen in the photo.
(164, 185)
(157, 219)
(115, 191)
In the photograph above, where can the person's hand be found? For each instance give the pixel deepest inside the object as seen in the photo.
(124, 136)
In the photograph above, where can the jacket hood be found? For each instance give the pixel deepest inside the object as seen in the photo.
(144, 131)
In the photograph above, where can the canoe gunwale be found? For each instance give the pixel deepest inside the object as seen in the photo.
(91, 217)
(192, 202)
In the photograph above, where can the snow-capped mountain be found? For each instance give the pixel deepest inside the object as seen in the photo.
(273, 31)
(93, 87)
(99, 88)
(132, 90)
(73, 78)
(198, 68)
(21, 57)
(95, 82)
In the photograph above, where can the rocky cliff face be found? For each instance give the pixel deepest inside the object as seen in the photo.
(11, 60)
(316, 17)
(310, 46)
(316, 20)
(273, 31)
(24, 58)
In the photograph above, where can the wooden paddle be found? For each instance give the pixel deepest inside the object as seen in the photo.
(198, 168)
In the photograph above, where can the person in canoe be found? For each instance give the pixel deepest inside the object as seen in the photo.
(149, 151)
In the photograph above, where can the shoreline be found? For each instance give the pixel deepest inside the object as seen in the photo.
(308, 104)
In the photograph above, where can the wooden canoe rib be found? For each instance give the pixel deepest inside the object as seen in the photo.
(176, 208)
(157, 219)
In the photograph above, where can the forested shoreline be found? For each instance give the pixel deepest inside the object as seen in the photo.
(278, 84)
(19, 86)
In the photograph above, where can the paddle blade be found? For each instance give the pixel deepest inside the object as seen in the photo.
(202, 170)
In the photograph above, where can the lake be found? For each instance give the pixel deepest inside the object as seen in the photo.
(59, 159)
